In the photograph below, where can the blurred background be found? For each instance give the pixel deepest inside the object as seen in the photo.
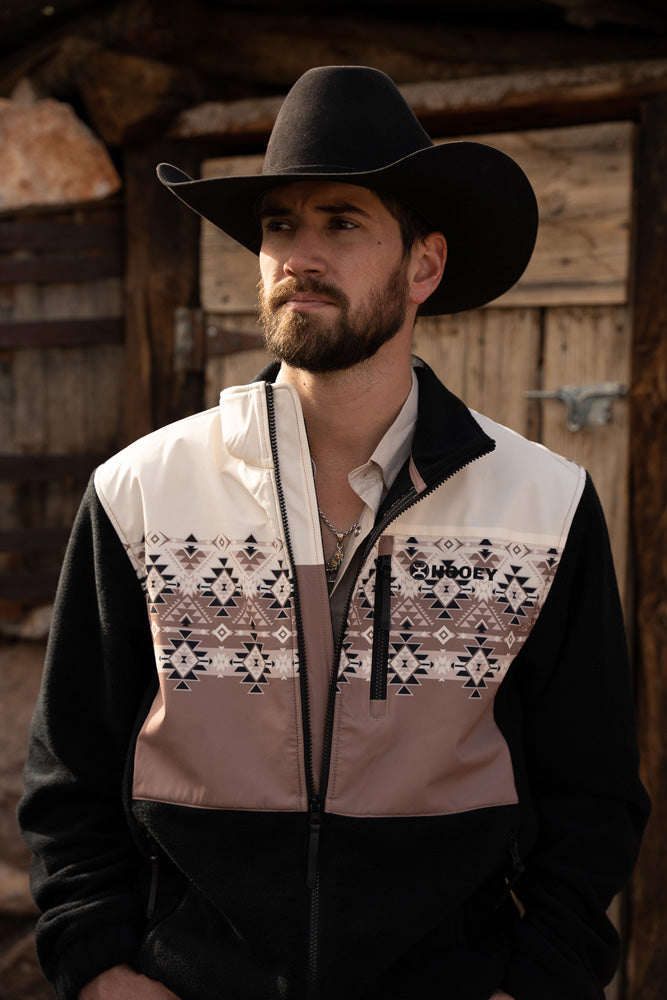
(119, 312)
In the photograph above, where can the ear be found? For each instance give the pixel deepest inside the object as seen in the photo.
(427, 263)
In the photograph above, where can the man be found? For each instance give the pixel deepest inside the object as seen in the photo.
(336, 701)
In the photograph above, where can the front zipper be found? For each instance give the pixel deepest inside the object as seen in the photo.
(317, 802)
(313, 883)
(315, 811)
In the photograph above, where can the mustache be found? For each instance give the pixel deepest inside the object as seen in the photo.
(283, 292)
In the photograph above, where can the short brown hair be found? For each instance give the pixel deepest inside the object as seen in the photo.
(414, 227)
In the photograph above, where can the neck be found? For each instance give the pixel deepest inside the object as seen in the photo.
(347, 413)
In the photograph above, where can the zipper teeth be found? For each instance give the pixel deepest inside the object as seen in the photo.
(399, 507)
(301, 647)
(313, 938)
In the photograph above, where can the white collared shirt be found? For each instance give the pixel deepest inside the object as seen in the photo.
(371, 482)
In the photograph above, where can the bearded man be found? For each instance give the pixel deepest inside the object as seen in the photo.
(336, 701)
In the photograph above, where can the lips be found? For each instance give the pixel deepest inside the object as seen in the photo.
(303, 295)
(306, 299)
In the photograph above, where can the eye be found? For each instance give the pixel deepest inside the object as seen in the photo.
(275, 225)
(339, 222)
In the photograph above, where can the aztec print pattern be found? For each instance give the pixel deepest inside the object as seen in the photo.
(221, 607)
(461, 610)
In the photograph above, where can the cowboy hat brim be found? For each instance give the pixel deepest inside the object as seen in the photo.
(477, 196)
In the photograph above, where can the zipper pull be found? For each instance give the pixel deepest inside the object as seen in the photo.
(518, 870)
(314, 841)
(152, 891)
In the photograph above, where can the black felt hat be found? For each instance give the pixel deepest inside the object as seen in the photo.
(351, 124)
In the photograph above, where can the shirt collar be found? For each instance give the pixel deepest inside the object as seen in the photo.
(373, 480)
(394, 447)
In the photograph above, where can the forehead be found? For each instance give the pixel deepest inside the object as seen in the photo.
(336, 195)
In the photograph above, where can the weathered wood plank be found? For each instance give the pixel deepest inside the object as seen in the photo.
(582, 179)
(161, 275)
(585, 345)
(647, 960)
(62, 301)
(229, 272)
(60, 333)
(600, 91)
(583, 182)
(68, 235)
(590, 345)
(59, 414)
(60, 267)
(486, 357)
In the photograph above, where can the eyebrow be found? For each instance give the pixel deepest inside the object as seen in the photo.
(271, 209)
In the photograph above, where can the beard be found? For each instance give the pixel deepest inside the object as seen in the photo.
(319, 344)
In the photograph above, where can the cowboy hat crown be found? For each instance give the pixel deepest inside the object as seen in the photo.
(352, 124)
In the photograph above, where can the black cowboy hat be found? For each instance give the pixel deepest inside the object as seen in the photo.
(351, 124)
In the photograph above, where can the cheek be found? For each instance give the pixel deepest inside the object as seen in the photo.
(269, 268)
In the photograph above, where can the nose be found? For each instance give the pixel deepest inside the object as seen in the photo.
(304, 256)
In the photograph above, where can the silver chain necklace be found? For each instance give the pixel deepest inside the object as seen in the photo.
(332, 565)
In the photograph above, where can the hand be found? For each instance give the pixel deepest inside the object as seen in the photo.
(123, 983)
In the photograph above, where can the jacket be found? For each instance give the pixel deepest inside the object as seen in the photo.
(244, 805)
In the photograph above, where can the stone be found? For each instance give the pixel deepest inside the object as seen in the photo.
(49, 157)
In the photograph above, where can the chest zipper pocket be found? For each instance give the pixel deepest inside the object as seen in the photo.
(381, 630)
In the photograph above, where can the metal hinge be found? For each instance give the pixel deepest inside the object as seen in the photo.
(199, 335)
(585, 405)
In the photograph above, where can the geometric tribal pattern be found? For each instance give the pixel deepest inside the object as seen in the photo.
(218, 606)
(461, 610)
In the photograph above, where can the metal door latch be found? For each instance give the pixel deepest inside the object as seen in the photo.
(585, 405)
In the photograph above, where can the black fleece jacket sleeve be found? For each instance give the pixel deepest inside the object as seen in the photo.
(99, 669)
(581, 770)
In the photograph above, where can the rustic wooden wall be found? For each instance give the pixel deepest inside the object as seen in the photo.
(61, 362)
(524, 80)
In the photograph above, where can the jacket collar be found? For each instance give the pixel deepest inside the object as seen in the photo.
(447, 436)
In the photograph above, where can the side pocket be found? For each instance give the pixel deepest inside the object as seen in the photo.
(518, 868)
(165, 889)
(381, 630)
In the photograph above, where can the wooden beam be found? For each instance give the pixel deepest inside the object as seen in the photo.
(161, 277)
(47, 233)
(647, 960)
(58, 267)
(603, 92)
(60, 333)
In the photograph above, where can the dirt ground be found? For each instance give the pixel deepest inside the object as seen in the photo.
(20, 673)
